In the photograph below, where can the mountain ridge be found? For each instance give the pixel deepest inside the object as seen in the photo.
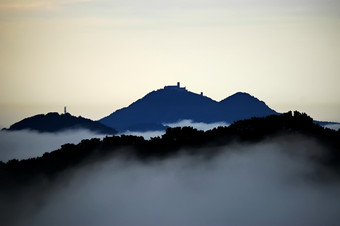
(55, 122)
(175, 103)
(172, 143)
(157, 109)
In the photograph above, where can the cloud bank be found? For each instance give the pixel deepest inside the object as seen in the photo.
(147, 135)
(269, 183)
(187, 122)
(197, 125)
(332, 126)
(28, 144)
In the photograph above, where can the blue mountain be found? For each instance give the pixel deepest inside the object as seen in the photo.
(175, 103)
(242, 106)
(54, 122)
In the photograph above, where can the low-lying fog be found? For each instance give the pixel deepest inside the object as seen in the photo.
(268, 183)
(27, 144)
(332, 126)
(197, 125)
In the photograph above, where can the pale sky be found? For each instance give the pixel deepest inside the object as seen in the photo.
(96, 56)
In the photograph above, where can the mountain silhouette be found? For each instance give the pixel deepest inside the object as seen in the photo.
(175, 103)
(242, 106)
(54, 122)
(176, 141)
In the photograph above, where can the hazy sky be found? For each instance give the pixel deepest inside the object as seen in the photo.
(96, 56)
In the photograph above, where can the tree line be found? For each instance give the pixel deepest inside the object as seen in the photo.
(176, 140)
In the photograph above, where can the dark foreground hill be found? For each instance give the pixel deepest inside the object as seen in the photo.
(54, 122)
(172, 143)
(174, 103)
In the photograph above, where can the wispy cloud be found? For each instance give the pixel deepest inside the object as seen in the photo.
(332, 126)
(196, 125)
(147, 135)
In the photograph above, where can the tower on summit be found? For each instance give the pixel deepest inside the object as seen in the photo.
(176, 87)
(65, 110)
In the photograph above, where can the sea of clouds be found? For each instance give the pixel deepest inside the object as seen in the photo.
(28, 144)
(269, 183)
(273, 182)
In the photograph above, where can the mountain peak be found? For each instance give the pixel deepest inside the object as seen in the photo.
(174, 103)
(240, 96)
(55, 122)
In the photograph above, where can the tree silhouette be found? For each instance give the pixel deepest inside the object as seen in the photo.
(174, 141)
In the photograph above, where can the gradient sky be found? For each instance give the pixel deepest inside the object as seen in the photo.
(96, 56)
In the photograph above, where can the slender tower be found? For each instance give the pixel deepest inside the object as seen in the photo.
(65, 110)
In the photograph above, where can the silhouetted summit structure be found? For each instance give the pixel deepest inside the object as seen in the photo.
(175, 103)
(178, 87)
(53, 122)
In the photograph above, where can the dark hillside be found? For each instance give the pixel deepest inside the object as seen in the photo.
(174, 103)
(54, 122)
(172, 143)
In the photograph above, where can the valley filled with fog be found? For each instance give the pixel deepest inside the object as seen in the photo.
(29, 144)
(273, 182)
(278, 180)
